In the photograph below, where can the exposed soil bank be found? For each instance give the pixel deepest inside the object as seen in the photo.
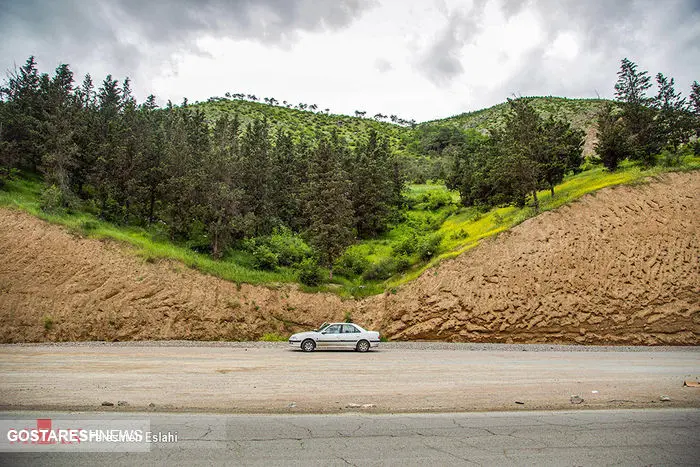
(621, 266)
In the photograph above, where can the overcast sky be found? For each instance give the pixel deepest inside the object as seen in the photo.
(417, 59)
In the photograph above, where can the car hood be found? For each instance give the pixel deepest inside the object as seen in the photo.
(303, 335)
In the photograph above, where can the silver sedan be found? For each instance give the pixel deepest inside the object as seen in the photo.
(336, 335)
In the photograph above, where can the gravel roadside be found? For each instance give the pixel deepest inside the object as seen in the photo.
(413, 345)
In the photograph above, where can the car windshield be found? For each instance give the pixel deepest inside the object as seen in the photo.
(322, 327)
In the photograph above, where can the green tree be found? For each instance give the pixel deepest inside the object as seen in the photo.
(222, 197)
(695, 106)
(639, 117)
(86, 135)
(23, 116)
(372, 187)
(58, 127)
(562, 151)
(328, 204)
(468, 171)
(613, 143)
(255, 173)
(522, 171)
(632, 85)
(674, 123)
(285, 181)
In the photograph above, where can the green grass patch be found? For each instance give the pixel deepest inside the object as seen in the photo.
(273, 337)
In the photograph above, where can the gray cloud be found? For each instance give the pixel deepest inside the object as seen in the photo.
(383, 65)
(659, 36)
(134, 36)
(441, 61)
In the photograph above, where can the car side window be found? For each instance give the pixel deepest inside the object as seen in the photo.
(335, 329)
(349, 328)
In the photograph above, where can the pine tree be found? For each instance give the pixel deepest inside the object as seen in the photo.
(561, 152)
(285, 182)
(613, 143)
(695, 106)
(522, 171)
(328, 204)
(222, 197)
(372, 190)
(630, 90)
(673, 123)
(86, 136)
(255, 170)
(631, 84)
(23, 116)
(59, 148)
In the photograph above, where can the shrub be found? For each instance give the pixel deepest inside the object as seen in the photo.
(352, 263)
(674, 158)
(401, 263)
(7, 174)
(459, 235)
(437, 199)
(289, 247)
(695, 146)
(429, 246)
(48, 323)
(51, 199)
(89, 225)
(309, 273)
(272, 337)
(406, 245)
(381, 270)
(264, 258)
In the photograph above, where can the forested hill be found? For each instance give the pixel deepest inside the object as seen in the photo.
(406, 137)
(581, 113)
(308, 121)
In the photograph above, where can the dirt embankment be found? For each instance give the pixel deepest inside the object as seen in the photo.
(619, 266)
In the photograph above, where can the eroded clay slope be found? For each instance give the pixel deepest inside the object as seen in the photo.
(618, 266)
(99, 290)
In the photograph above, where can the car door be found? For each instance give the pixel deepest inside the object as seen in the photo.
(330, 336)
(349, 336)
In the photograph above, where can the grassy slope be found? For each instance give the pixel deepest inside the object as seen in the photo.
(462, 229)
(580, 112)
(305, 123)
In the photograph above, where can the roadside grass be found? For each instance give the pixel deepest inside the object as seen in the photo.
(460, 229)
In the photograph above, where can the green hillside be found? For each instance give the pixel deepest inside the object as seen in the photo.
(308, 123)
(580, 112)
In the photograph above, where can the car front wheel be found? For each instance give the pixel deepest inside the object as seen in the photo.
(362, 346)
(308, 345)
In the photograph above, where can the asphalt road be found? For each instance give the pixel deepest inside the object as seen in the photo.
(603, 437)
(279, 380)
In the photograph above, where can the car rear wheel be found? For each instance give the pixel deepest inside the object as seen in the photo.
(308, 345)
(362, 346)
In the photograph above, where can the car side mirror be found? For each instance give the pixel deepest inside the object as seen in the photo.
(323, 332)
